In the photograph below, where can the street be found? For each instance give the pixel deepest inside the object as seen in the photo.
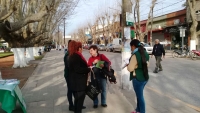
(166, 92)
(179, 79)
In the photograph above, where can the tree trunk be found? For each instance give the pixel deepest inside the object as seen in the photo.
(19, 57)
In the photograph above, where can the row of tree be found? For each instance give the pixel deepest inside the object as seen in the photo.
(28, 23)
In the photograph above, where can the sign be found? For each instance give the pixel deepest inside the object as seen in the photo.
(127, 32)
(129, 19)
(129, 23)
(182, 32)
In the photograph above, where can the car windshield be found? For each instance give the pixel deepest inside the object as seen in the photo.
(101, 45)
(146, 45)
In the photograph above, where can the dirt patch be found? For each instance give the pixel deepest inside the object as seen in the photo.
(22, 74)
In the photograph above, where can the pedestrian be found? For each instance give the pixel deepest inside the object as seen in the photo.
(78, 74)
(158, 52)
(66, 75)
(138, 68)
(101, 77)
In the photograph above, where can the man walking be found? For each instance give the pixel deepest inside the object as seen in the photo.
(158, 52)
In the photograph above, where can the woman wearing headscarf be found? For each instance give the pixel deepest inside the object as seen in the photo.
(138, 68)
(78, 75)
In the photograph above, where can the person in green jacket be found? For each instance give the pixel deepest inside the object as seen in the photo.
(138, 68)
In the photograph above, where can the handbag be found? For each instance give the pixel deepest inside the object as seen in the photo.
(92, 91)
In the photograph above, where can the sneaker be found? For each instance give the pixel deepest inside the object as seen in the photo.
(155, 71)
(95, 106)
(104, 105)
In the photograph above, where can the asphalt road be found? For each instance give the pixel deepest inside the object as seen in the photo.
(178, 80)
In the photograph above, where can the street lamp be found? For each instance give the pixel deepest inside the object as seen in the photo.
(182, 34)
(64, 30)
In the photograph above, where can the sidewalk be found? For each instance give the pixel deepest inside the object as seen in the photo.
(46, 90)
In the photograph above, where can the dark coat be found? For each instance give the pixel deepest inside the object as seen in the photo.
(78, 73)
(158, 50)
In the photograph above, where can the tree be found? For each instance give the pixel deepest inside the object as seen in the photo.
(136, 6)
(33, 21)
(193, 29)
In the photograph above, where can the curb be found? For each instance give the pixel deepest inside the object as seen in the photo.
(32, 74)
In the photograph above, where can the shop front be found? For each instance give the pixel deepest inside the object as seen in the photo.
(173, 35)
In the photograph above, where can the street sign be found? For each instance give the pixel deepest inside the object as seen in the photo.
(129, 19)
(129, 23)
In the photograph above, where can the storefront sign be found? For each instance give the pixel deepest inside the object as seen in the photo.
(173, 30)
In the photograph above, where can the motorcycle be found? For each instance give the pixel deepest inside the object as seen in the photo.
(195, 54)
(179, 53)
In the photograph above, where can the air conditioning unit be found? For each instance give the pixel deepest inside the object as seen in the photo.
(176, 21)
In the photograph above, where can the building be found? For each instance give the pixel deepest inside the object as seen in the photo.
(166, 29)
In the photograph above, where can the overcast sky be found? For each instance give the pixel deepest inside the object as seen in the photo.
(87, 9)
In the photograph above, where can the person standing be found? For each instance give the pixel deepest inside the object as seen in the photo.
(158, 52)
(138, 68)
(101, 78)
(78, 75)
(66, 75)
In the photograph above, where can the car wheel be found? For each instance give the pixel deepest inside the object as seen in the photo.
(113, 50)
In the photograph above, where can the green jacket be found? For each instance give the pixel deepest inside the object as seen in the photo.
(66, 70)
(139, 71)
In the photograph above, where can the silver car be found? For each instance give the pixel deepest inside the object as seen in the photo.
(148, 48)
(101, 47)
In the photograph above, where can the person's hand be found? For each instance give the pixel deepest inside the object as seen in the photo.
(101, 65)
(109, 68)
(95, 61)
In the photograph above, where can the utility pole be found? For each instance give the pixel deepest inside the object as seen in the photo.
(151, 27)
(126, 7)
(122, 22)
(64, 30)
(58, 35)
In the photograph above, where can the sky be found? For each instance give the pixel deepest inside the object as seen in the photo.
(87, 10)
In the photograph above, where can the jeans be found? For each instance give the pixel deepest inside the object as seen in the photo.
(158, 60)
(138, 88)
(69, 93)
(103, 94)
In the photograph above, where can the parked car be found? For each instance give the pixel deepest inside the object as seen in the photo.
(109, 47)
(101, 47)
(86, 47)
(117, 45)
(148, 48)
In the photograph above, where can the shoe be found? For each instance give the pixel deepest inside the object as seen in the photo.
(83, 107)
(95, 106)
(71, 108)
(104, 105)
(156, 70)
(160, 69)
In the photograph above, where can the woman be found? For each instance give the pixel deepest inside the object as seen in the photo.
(93, 60)
(138, 72)
(78, 75)
(66, 75)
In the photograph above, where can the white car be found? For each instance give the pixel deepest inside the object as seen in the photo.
(148, 48)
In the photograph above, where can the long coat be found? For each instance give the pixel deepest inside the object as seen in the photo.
(78, 73)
